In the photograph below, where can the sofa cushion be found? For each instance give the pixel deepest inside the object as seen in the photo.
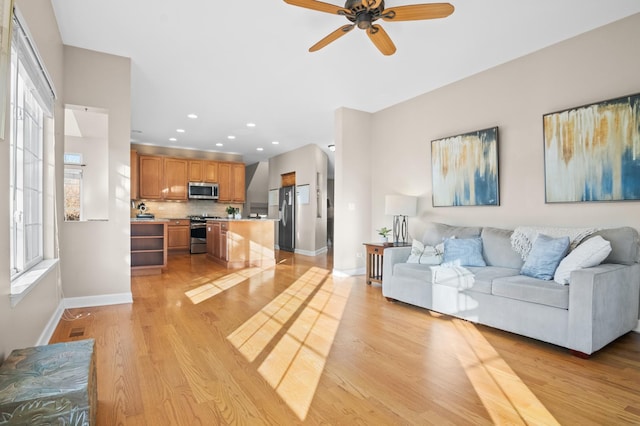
(464, 251)
(624, 244)
(544, 257)
(527, 289)
(484, 276)
(590, 253)
(426, 255)
(497, 249)
(438, 232)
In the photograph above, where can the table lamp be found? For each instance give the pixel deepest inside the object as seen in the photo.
(400, 206)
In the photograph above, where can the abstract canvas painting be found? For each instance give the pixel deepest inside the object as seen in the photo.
(465, 169)
(592, 153)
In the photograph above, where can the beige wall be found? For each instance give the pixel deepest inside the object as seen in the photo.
(23, 325)
(598, 65)
(95, 255)
(595, 66)
(306, 162)
(354, 190)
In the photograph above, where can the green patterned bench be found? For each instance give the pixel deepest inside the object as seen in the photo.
(51, 384)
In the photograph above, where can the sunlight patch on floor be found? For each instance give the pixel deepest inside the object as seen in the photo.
(253, 336)
(210, 289)
(504, 395)
(294, 366)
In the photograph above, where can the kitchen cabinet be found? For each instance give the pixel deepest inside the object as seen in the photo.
(148, 247)
(203, 171)
(175, 179)
(134, 175)
(241, 243)
(179, 234)
(231, 182)
(151, 177)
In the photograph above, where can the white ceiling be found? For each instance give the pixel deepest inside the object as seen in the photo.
(235, 62)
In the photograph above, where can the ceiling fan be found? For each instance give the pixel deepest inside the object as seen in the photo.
(363, 14)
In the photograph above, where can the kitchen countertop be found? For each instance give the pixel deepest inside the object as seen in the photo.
(246, 219)
(137, 220)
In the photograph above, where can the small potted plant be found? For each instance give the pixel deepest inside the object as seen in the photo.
(384, 233)
(231, 211)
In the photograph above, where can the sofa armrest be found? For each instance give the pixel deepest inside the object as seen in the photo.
(603, 305)
(393, 255)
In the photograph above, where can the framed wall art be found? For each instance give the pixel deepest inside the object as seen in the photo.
(465, 169)
(592, 152)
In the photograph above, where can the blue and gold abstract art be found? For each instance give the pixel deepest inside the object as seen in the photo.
(465, 169)
(592, 153)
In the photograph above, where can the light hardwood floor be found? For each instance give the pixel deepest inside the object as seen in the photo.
(202, 345)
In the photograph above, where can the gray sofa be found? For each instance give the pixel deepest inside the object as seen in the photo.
(599, 305)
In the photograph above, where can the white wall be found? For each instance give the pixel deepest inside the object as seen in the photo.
(23, 325)
(306, 162)
(95, 256)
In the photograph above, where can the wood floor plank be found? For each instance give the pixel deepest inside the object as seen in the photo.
(293, 344)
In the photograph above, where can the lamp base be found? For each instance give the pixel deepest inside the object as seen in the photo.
(400, 229)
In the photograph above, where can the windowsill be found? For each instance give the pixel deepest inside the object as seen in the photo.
(26, 282)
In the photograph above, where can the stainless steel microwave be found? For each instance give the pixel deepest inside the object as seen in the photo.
(203, 191)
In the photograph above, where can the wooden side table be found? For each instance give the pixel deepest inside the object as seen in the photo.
(375, 252)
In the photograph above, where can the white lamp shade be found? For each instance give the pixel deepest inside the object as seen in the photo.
(400, 205)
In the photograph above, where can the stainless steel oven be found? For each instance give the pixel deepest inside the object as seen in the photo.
(198, 236)
(199, 233)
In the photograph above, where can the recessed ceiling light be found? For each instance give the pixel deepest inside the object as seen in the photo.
(173, 139)
(219, 144)
(192, 116)
(275, 142)
(259, 149)
(180, 130)
(231, 137)
(251, 124)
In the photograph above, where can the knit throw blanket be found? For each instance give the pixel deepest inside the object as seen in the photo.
(523, 237)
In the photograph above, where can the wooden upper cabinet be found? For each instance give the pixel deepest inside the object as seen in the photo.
(151, 177)
(210, 171)
(237, 182)
(203, 171)
(175, 178)
(231, 182)
(196, 171)
(224, 182)
(134, 175)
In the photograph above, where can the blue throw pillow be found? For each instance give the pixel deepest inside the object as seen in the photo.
(467, 251)
(545, 256)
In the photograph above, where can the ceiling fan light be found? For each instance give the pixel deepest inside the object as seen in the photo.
(363, 21)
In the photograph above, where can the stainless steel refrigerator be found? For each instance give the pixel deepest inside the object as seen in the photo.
(287, 225)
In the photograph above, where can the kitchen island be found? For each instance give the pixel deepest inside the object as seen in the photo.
(241, 243)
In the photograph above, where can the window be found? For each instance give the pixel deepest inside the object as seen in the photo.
(31, 100)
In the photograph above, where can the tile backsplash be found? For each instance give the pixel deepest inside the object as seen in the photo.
(177, 210)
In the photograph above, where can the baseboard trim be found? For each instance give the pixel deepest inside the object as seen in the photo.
(348, 272)
(637, 330)
(311, 252)
(102, 300)
(46, 334)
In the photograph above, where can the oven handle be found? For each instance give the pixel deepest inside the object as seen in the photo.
(198, 225)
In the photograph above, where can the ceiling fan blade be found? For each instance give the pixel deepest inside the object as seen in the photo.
(331, 37)
(321, 6)
(417, 12)
(381, 39)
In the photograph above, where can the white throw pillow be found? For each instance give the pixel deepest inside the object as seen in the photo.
(425, 255)
(589, 253)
